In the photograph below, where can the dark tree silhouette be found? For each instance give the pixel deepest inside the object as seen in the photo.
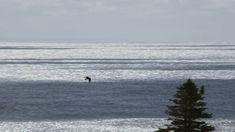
(188, 110)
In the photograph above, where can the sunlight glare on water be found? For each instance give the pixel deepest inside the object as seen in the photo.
(114, 62)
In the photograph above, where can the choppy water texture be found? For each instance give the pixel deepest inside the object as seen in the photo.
(43, 87)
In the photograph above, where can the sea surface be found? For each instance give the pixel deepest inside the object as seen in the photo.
(42, 86)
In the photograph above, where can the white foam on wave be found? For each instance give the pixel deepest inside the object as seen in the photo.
(105, 125)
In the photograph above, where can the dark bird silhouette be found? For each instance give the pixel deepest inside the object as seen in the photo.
(88, 78)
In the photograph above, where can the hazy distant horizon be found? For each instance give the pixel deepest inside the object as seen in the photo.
(117, 20)
(117, 42)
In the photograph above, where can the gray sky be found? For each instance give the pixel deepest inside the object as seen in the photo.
(117, 20)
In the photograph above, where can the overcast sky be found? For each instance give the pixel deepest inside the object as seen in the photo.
(117, 20)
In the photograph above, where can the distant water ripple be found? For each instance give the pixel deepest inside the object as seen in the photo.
(114, 62)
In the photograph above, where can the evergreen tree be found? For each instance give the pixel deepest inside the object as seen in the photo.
(188, 110)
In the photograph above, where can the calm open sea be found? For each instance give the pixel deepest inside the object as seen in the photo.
(42, 86)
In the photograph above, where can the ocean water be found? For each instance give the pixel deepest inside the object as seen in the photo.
(42, 86)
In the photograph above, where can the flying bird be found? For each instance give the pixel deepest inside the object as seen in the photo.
(88, 78)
